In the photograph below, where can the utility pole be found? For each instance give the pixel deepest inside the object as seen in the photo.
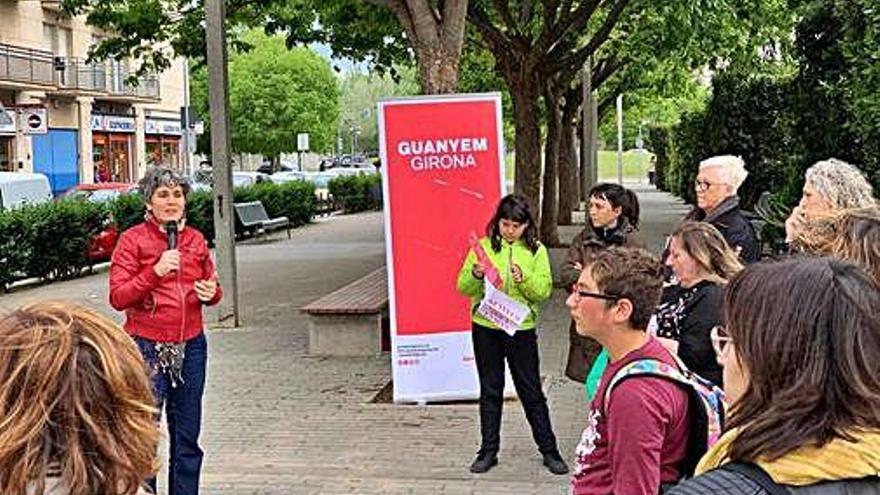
(186, 130)
(589, 116)
(620, 139)
(218, 99)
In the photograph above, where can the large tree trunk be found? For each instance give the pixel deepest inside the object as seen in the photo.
(527, 175)
(436, 35)
(438, 70)
(549, 229)
(569, 175)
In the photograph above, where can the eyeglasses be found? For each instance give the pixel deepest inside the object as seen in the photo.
(720, 339)
(703, 185)
(594, 295)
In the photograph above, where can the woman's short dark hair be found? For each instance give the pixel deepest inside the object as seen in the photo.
(157, 177)
(808, 335)
(619, 197)
(513, 207)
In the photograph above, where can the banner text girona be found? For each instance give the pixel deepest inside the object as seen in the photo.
(442, 154)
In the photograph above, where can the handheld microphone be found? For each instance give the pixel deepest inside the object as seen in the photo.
(171, 232)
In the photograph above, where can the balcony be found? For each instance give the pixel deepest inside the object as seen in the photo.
(76, 75)
(103, 80)
(26, 68)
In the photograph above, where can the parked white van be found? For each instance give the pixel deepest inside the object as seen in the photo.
(18, 189)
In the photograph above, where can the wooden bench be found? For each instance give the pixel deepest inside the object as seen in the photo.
(348, 321)
(253, 218)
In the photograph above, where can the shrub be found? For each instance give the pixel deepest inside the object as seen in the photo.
(355, 193)
(127, 211)
(200, 213)
(48, 240)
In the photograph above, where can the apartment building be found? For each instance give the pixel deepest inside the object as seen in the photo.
(74, 121)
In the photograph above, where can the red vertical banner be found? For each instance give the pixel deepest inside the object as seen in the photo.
(443, 176)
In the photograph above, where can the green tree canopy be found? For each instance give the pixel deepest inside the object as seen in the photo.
(275, 94)
(360, 94)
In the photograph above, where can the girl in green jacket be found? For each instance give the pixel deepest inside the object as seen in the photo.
(513, 260)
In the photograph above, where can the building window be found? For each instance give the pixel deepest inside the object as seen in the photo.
(111, 155)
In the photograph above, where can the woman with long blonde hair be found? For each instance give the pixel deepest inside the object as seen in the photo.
(76, 409)
(702, 262)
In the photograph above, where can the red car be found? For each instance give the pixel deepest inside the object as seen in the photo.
(101, 246)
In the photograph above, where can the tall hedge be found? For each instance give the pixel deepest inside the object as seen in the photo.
(748, 117)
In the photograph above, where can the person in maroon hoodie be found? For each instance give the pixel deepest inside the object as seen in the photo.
(636, 444)
(161, 275)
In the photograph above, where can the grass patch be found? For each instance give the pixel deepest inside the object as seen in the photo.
(635, 166)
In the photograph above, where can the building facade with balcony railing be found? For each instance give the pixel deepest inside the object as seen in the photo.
(80, 121)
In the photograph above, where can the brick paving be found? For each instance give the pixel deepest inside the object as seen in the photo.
(281, 422)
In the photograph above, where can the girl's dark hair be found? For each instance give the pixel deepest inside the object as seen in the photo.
(808, 336)
(619, 196)
(513, 207)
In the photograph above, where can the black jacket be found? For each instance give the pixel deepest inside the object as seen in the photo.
(734, 226)
(724, 482)
(688, 315)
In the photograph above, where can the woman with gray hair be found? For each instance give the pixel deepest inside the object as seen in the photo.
(831, 186)
(716, 185)
(161, 275)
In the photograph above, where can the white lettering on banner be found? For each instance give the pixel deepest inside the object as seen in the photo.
(444, 154)
(444, 162)
(502, 310)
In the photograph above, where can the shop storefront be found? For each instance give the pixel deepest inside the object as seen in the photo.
(7, 142)
(162, 137)
(112, 147)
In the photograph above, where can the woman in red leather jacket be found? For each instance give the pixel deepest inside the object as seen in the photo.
(161, 275)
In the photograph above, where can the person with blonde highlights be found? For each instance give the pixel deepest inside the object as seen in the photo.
(76, 409)
(852, 235)
(703, 262)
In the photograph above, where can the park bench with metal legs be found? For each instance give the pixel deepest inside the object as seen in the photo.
(348, 321)
(253, 218)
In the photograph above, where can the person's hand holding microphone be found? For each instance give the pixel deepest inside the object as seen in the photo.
(169, 261)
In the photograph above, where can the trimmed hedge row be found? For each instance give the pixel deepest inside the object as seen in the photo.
(353, 193)
(50, 240)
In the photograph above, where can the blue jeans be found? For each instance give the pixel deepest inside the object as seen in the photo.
(183, 408)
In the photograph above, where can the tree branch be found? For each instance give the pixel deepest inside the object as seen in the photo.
(453, 27)
(503, 10)
(491, 34)
(572, 22)
(579, 57)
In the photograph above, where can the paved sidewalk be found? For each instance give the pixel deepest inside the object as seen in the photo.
(281, 422)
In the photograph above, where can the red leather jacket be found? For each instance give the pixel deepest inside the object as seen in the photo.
(162, 309)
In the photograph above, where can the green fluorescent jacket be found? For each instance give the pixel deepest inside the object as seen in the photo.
(536, 286)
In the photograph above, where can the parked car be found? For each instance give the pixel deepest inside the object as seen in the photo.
(203, 180)
(266, 168)
(287, 176)
(101, 245)
(19, 188)
(104, 191)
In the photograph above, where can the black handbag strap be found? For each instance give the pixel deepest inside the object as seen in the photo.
(758, 475)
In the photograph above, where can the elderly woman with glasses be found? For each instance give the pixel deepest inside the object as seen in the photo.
(716, 185)
(702, 263)
(800, 354)
(162, 275)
